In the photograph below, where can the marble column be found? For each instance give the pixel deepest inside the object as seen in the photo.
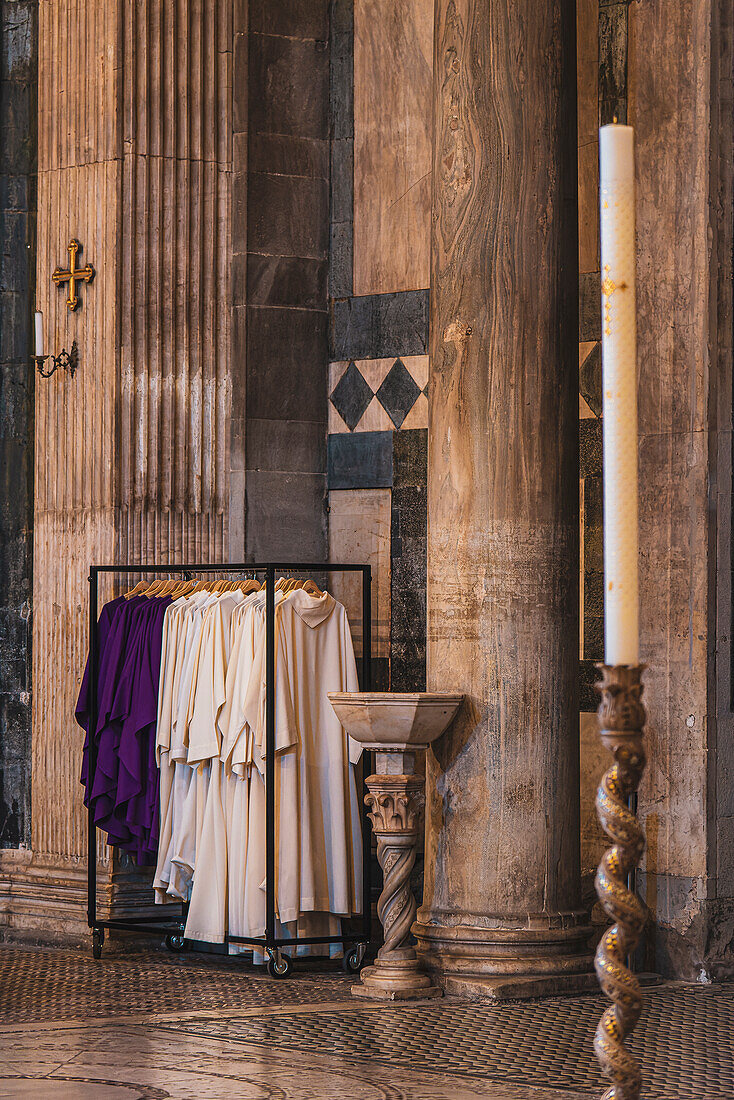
(502, 907)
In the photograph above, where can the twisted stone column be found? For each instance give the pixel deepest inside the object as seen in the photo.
(396, 811)
(621, 718)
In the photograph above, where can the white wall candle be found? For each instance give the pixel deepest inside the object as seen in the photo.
(39, 333)
(619, 386)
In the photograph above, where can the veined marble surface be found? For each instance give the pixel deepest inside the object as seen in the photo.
(150, 1025)
(108, 1060)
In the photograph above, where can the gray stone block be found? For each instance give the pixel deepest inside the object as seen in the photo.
(287, 215)
(289, 155)
(341, 260)
(286, 356)
(342, 17)
(291, 446)
(590, 448)
(289, 87)
(342, 180)
(362, 460)
(286, 281)
(589, 306)
(292, 18)
(342, 86)
(612, 62)
(377, 326)
(286, 516)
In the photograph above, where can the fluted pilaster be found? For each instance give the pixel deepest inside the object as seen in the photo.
(132, 453)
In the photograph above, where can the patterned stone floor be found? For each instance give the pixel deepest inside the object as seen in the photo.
(154, 1025)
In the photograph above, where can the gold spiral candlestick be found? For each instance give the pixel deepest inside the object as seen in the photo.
(621, 721)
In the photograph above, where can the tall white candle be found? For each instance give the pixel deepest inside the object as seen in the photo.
(619, 385)
(39, 333)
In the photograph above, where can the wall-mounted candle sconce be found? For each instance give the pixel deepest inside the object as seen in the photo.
(65, 360)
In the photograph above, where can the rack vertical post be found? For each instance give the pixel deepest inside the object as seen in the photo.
(270, 754)
(92, 760)
(367, 756)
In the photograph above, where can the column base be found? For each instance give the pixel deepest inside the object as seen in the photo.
(395, 982)
(522, 988)
(507, 959)
(43, 899)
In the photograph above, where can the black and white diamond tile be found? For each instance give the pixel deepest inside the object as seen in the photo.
(351, 396)
(377, 395)
(398, 393)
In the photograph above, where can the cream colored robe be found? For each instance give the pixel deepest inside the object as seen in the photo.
(319, 838)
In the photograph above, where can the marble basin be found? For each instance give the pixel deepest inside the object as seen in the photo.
(392, 720)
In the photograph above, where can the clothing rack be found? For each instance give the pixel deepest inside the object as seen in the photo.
(279, 962)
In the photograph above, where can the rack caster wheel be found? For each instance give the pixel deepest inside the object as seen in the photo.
(175, 942)
(97, 941)
(353, 959)
(279, 964)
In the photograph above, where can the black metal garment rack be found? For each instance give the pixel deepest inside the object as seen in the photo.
(279, 962)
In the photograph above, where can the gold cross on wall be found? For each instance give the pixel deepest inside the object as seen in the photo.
(73, 275)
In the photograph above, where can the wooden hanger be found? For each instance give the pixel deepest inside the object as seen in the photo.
(312, 588)
(248, 586)
(183, 588)
(138, 590)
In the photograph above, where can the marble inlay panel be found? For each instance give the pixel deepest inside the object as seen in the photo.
(359, 531)
(375, 419)
(378, 325)
(393, 61)
(378, 395)
(336, 370)
(589, 379)
(418, 415)
(418, 367)
(375, 371)
(587, 66)
(589, 207)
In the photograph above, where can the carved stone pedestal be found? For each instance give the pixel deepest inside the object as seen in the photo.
(396, 727)
(396, 805)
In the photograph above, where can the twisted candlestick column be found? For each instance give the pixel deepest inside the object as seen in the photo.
(396, 906)
(396, 804)
(621, 720)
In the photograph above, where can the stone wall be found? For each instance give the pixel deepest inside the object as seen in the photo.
(682, 113)
(280, 236)
(18, 127)
(131, 453)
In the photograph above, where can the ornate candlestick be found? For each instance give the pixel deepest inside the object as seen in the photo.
(621, 721)
(395, 727)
